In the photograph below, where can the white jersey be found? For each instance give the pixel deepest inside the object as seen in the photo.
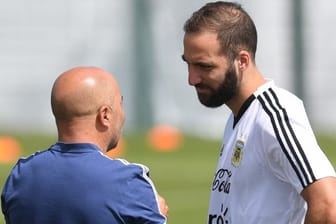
(267, 158)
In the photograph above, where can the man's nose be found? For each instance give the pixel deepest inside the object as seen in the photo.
(193, 77)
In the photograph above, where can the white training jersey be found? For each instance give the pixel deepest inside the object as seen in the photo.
(269, 155)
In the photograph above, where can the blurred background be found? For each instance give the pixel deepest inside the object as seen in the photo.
(140, 42)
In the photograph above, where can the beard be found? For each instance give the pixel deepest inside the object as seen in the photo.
(226, 91)
(114, 142)
(112, 145)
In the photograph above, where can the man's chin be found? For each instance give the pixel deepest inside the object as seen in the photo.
(208, 102)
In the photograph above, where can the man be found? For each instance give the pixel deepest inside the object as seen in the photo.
(73, 181)
(270, 169)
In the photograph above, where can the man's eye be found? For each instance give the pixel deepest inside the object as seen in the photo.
(205, 66)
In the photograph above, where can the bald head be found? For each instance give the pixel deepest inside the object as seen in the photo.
(80, 91)
(86, 103)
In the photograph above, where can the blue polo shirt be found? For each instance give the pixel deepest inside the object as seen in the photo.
(77, 183)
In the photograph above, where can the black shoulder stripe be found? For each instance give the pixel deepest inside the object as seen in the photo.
(283, 123)
(296, 141)
(279, 138)
(286, 137)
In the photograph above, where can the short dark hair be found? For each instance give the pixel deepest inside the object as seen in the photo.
(235, 28)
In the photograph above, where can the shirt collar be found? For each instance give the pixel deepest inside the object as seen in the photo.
(74, 147)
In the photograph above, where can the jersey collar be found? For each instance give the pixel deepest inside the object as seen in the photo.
(262, 88)
(249, 100)
(74, 147)
(242, 109)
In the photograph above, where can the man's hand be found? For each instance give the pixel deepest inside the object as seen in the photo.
(164, 209)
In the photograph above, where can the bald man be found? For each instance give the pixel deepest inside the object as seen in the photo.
(73, 181)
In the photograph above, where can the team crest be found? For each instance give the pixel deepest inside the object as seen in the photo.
(237, 153)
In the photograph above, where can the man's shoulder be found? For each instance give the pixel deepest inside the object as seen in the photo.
(130, 167)
(33, 157)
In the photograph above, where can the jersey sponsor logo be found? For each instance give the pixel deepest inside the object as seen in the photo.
(221, 181)
(219, 218)
(237, 153)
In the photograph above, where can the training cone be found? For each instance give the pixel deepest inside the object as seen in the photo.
(164, 138)
(10, 149)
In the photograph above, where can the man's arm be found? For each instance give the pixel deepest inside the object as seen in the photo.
(321, 200)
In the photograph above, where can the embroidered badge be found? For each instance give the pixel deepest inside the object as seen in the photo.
(237, 153)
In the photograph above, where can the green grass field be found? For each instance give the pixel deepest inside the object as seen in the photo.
(183, 177)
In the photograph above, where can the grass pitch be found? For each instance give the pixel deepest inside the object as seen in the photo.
(182, 176)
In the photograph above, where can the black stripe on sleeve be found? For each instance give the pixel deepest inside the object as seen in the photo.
(292, 133)
(279, 138)
(286, 137)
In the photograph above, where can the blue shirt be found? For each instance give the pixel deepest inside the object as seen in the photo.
(76, 183)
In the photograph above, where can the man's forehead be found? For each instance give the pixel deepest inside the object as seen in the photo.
(201, 50)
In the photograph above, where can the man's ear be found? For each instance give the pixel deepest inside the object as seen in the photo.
(104, 115)
(244, 59)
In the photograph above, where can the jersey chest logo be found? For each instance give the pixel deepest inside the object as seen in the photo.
(237, 155)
